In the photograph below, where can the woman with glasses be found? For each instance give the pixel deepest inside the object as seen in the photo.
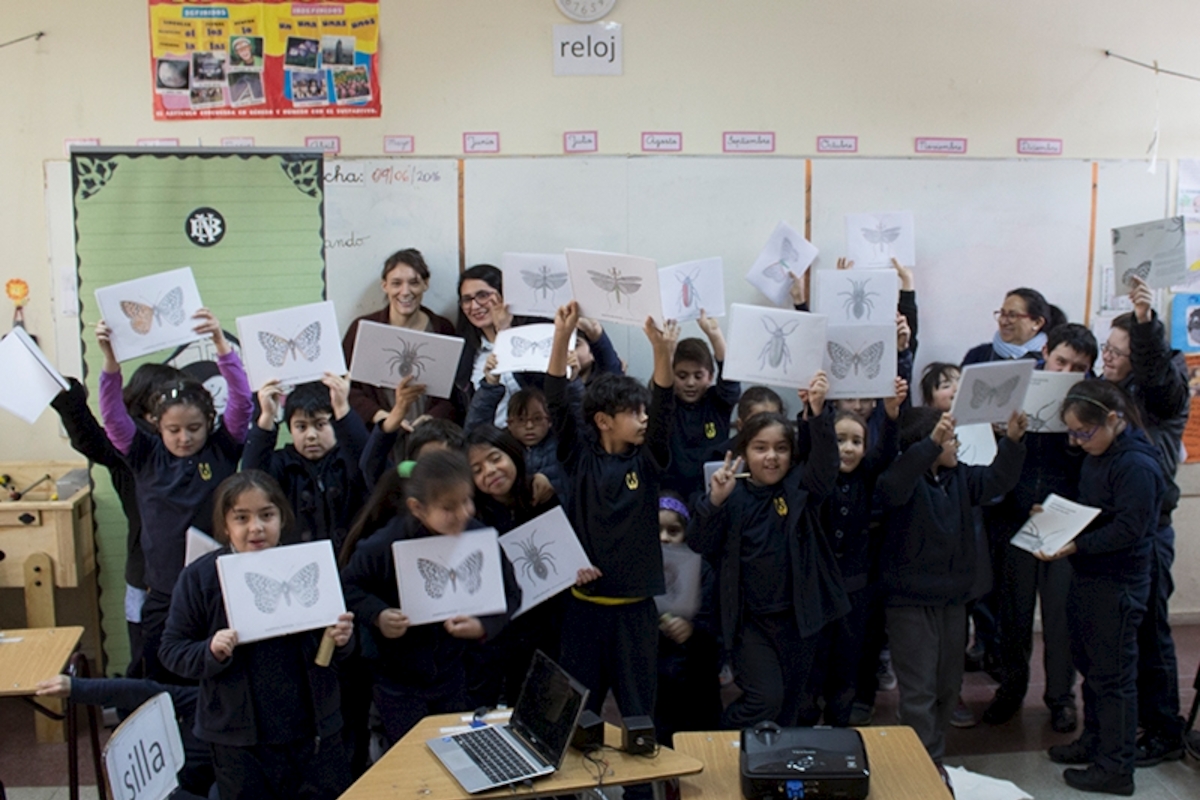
(1021, 327)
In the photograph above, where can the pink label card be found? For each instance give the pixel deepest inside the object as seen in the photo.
(581, 142)
(748, 142)
(837, 144)
(158, 143)
(482, 142)
(940, 144)
(84, 142)
(662, 142)
(399, 144)
(237, 141)
(327, 144)
(1040, 147)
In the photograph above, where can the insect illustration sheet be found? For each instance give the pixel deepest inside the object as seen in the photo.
(976, 444)
(861, 360)
(198, 543)
(991, 392)
(151, 313)
(1043, 401)
(614, 287)
(681, 571)
(535, 284)
(384, 355)
(545, 555)
(776, 347)
(855, 296)
(873, 240)
(1154, 251)
(693, 285)
(526, 348)
(446, 576)
(296, 345)
(30, 382)
(1059, 523)
(281, 590)
(787, 251)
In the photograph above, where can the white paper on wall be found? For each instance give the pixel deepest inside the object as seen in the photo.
(295, 345)
(771, 345)
(535, 284)
(447, 576)
(546, 555)
(384, 355)
(991, 392)
(151, 313)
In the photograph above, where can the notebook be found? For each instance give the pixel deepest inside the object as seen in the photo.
(531, 745)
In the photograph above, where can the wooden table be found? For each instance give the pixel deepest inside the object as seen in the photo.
(900, 767)
(410, 770)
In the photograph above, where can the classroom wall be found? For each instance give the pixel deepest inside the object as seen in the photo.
(885, 72)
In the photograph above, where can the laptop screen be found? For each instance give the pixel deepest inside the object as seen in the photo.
(548, 708)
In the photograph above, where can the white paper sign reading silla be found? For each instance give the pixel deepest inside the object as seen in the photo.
(145, 752)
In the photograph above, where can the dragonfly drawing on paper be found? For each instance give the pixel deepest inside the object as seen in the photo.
(615, 284)
(881, 235)
(543, 280)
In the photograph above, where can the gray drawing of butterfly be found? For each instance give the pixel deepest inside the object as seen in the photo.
(1142, 271)
(437, 576)
(881, 236)
(142, 316)
(543, 280)
(788, 256)
(843, 359)
(614, 283)
(302, 586)
(983, 393)
(540, 347)
(307, 343)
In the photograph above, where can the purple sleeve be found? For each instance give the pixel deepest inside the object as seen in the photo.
(117, 423)
(239, 408)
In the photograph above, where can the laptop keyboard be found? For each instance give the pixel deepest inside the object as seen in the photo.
(494, 755)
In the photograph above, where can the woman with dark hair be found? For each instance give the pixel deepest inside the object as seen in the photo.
(1021, 323)
(404, 280)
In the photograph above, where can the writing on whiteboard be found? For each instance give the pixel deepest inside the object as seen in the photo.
(346, 242)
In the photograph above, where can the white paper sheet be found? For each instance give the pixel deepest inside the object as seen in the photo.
(198, 543)
(1043, 401)
(1058, 524)
(446, 576)
(873, 240)
(691, 286)
(786, 251)
(146, 752)
(526, 348)
(1154, 251)
(535, 284)
(770, 345)
(384, 354)
(861, 360)
(545, 555)
(976, 444)
(295, 345)
(151, 313)
(973, 786)
(855, 296)
(681, 571)
(991, 392)
(285, 589)
(30, 381)
(615, 288)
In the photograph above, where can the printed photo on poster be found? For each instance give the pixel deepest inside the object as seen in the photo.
(246, 52)
(173, 74)
(208, 68)
(302, 54)
(1185, 322)
(352, 85)
(309, 87)
(246, 89)
(337, 52)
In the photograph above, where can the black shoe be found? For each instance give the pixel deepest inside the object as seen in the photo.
(1077, 752)
(1003, 708)
(1153, 750)
(1096, 780)
(1063, 719)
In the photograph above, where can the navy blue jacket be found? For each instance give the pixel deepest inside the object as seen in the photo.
(697, 427)
(982, 354)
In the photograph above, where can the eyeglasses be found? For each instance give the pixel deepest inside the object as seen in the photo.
(535, 420)
(1084, 436)
(1108, 350)
(481, 298)
(1004, 313)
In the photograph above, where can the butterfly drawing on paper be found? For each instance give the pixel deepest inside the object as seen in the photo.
(1142, 271)
(437, 577)
(843, 359)
(268, 592)
(983, 393)
(778, 271)
(543, 280)
(168, 310)
(307, 343)
(881, 236)
(522, 346)
(614, 283)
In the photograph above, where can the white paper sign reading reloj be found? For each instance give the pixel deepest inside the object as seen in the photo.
(440, 577)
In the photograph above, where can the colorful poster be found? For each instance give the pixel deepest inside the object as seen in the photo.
(264, 59)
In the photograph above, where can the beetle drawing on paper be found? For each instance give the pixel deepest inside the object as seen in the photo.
(858, 299)
(689, 296)
(407, 360)
(535, 560)
(775, 352)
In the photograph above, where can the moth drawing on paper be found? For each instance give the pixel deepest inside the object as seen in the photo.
(983, 393)
(540, 347)
(543, 280)
(843, 359)
(778, 271)
(535, 560)
(302, 586)
(614, 283)
(438, 577)
(407, 360)
(1142, 271)
(858, 299)
(776, 352)
(307, 343)
(168, 310)
(881, 236)
(689, 296)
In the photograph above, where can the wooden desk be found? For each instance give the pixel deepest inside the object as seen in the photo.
(410, 770)
(900, 767)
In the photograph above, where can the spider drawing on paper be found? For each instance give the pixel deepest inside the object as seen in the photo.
(858, 299)
(407, 360)
(535, 560)
(1043, 416)
(689, 295)
(776, 352)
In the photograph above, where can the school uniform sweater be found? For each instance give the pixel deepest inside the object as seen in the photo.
(614, 496)
(325, 494)
(605, 358)
(929, 550)
(697, 427)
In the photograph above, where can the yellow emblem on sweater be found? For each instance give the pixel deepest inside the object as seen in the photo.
(631, 480)
(781, 506)
(205, 471)
(710, 430)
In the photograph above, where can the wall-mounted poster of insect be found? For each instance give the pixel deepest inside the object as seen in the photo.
(443, 576)
(693, 285)
(860, 360)
(151, 313)
(295, 345)
(281, 590)
(525, 348)
(615, 288)
(785, 254)
(681, 572)
(991, 392)
(855, 296)
(1059, 523)
(1044, 399)
(773, 346)
(535, 284)
(976, 444)
(873, 240)
(1154, 251)
(545, 555)
(384, 355)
